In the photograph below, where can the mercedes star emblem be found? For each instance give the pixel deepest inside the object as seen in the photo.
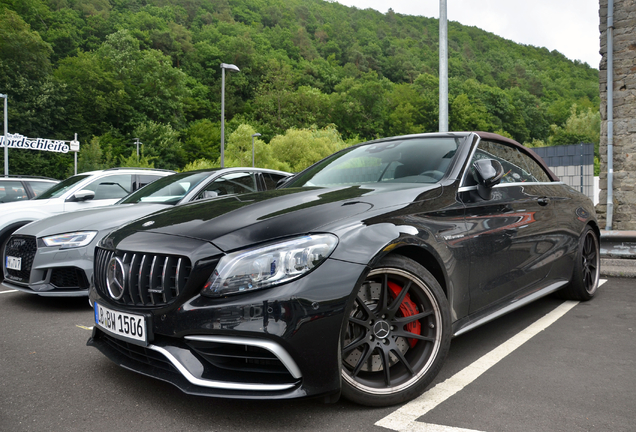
(381, 329)
(116, 278)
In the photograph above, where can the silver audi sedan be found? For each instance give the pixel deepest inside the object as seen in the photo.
(54, 256)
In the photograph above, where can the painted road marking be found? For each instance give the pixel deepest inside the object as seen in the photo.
(4, 292)
(405, 418)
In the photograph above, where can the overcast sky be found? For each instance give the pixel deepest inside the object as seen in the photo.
(568, 26)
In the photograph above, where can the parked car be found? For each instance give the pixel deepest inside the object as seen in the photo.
(21, 188)
(81, 191)
(54, 256)
(351, 278)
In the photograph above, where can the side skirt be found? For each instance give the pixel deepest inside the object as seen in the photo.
(473, 321)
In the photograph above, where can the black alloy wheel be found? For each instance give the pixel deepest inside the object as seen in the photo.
(396, 335)
(587, 268)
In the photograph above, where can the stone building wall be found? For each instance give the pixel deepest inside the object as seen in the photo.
(624, 160)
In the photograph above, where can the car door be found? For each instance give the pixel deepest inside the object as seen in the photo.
(512, 236)
(108, 190)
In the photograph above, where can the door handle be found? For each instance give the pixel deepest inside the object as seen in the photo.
(543, 201)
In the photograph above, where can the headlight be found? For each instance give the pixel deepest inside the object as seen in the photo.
(70, 240)
(269, 265)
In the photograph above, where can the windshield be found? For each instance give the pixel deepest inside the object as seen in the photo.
(414, 160)
(61, 187)
(167, 190)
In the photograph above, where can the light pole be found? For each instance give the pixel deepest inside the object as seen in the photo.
(75, 145)
(443, 67)
(137, 142)
(231, 68)
(6, 138)
(255, 135)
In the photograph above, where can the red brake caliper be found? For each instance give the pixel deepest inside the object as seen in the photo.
(407, 308)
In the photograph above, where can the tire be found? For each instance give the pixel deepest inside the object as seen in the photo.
(587, 266)
(400, 317)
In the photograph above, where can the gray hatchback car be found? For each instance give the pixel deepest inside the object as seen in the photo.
(54, 256)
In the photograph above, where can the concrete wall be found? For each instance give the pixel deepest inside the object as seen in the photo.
(624, 115)
(573, 164)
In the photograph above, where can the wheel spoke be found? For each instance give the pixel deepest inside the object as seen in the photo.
(364, 307)
(400, 298)
(384, 295)
(403, 359)
(408, 319)
(386, 366)
(355, 344)
(363, 359)
(409, 335)
(358, 321)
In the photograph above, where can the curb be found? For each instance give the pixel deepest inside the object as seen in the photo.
(618, 267)
(618, 253)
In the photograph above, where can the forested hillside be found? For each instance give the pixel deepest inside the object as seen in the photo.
(313, 74)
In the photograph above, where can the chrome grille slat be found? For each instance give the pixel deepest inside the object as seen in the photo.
(163, 280)
(176, 276)
(151, 280)
(141, 280)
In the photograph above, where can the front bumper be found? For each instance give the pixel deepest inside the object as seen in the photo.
(276, 343)
(56, 273)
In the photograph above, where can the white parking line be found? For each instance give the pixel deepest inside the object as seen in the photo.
(405, 418)
(4, 292)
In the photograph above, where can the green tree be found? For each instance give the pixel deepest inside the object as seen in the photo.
(202, 140)
(161, 144)
(300, 148)
(90, 157)
(238, 151)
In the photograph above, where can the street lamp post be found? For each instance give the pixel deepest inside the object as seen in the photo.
(137, 142)
(255, 135)
(443, 67)
(231, 68)
(6, 131)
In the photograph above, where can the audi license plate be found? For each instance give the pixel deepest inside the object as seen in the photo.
(124, 325)
(14, 263)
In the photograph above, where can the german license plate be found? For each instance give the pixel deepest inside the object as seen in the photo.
(125, 325)
(14, 263)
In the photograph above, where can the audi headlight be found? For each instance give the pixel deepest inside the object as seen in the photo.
(70, 240)
(270, 265)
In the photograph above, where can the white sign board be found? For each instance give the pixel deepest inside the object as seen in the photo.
(20, 141)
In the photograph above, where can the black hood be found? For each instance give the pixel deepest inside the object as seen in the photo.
(237, 221)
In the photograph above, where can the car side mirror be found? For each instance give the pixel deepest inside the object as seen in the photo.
(487, 173)
(84, 195)
(284, 180)
(210, 194)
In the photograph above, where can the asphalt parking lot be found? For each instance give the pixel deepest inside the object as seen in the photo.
(551, 366)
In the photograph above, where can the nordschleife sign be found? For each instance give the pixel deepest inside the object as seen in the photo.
(22, 142)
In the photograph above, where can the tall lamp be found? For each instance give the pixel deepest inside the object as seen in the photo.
(6, 130)
(255, 135)
(231, 68)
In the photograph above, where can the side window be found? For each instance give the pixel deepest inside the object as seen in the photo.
(533, 168)
(230, 184)
(12, 191)
(39, 187)
(518, 167)
(142, 180)
(271, 180)
(111, 187)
